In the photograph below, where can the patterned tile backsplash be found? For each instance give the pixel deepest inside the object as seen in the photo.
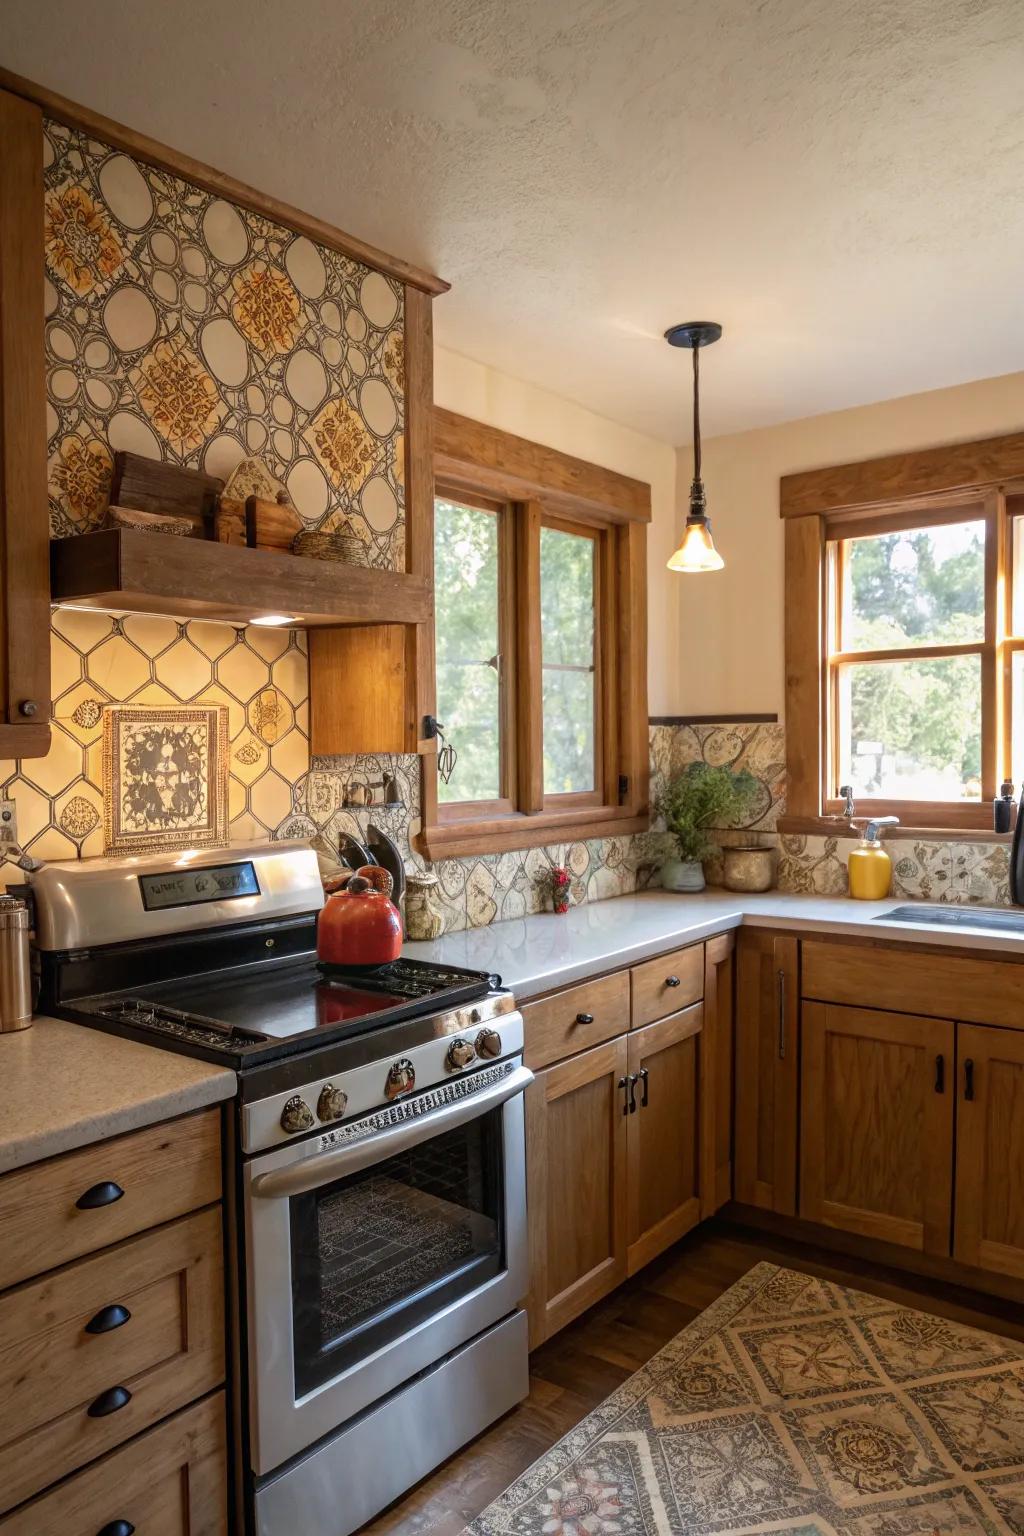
(276, 790)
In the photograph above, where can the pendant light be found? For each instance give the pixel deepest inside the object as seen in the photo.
(697, 551)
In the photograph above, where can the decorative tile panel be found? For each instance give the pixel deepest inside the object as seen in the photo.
(187, 329)
(160, 663)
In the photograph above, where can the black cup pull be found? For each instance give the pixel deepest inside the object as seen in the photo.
(646, 1097)
(100, 1194)
(672, 981)
(109, 1402)
(584, 1018)
(117, 1528)
(968, 1079)
(108, 1318)
(940, 1074)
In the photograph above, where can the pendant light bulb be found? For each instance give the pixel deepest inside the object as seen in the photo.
(697, 551)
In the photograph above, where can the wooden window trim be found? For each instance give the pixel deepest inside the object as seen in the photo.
(880, 496)
(552, 489)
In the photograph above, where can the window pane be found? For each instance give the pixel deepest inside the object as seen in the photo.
(567, 583)
(1017, 716)
(466, 625)
(922, 587)
(911, 730)
(1017, 617)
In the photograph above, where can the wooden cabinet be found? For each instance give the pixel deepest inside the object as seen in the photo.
(576, 1116)
(171, 1481)
(767, 1069)
(628, 1140)
(876, 1124)
(663, 1133)
(112, 1319)
(717, 1074)
(989, 1226)
(575, 1018)
(24, 513)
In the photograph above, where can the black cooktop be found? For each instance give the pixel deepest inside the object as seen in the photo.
(245, 1015)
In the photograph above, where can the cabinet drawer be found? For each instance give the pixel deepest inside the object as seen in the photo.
(57, 1376)
(667, 984)
(164, 1171)
(905, 979)
(575, 1019)
(171, 1481)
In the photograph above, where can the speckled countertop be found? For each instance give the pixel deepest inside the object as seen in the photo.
(63, 1086)
(535, 954)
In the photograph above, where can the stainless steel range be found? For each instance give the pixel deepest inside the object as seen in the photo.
(378, 1159)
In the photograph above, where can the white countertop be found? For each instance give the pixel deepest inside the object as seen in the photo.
(63, 1085)
(535, 954)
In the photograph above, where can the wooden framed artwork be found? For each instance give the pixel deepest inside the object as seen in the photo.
(165, 778)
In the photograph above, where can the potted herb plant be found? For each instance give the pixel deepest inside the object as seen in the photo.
(699, 798)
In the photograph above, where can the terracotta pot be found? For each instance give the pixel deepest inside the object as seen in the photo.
(358, 927)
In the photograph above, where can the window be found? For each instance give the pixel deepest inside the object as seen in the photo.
(904, 640)
(540, 649)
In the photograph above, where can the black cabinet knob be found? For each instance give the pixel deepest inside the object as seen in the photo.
(104, 1193)
(117, 1528)
(584, 1018)
(28, 708)
(109, 1402)
(109, 1318)
(672, 981)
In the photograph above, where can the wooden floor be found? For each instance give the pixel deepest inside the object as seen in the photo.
(577, 1369)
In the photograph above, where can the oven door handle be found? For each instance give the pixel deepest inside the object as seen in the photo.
(298, 1178)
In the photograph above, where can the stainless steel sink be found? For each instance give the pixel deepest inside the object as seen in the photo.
(988, 919)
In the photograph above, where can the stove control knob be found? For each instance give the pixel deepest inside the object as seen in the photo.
(488, 1043)
(460, 1054)
(331, 1103)
(296, 1116)
(401, 1079)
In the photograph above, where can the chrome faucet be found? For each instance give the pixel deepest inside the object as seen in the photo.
(846, 790)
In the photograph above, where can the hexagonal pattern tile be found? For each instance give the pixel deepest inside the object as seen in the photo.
(145, 659)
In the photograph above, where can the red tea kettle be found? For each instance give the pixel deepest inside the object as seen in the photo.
(358, 926)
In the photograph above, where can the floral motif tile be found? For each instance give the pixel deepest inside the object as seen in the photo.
(695, 1443)
(184, 328)
(808, 1359)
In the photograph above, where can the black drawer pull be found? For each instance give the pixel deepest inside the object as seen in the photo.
(584, 1018)
(672, 981)
(968, 1079)
(109, 1402)
(100, 1194)
(940, 1074)
(108, 1318)
(117, 1528)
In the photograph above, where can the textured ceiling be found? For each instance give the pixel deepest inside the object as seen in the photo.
(839, 184)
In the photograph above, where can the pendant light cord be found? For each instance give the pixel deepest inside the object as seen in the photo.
(696, 413)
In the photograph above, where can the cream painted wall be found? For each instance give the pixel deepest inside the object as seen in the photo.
(484, 394)
(729, 624)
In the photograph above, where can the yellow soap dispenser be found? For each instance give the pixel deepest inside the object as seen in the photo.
(870, 865)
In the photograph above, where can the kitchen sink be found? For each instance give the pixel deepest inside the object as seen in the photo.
(990, 919)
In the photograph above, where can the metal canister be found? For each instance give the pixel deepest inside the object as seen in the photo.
(15, 965)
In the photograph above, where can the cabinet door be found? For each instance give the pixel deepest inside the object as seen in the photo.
(876, 1124)
(989, 1229)
(716, 1069)
(664, 1133)
(576, 1116)
(24, 530)
(767, 1062)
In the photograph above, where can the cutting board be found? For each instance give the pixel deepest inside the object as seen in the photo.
(149, 485)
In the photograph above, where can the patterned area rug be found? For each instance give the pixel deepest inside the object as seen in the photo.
(793, 1405)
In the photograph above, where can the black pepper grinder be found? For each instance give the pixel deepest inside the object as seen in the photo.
(1002, 808)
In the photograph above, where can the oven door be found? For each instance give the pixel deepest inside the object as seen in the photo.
(373, 1258)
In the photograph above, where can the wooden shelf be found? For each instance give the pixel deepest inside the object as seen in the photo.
(122, 569)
